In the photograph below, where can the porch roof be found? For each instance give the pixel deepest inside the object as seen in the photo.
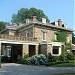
(17, 38)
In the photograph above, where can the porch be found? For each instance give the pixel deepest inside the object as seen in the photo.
(12, 46)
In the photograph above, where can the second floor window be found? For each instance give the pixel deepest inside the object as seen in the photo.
(43, 35)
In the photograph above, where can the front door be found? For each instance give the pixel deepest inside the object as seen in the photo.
(16, 51)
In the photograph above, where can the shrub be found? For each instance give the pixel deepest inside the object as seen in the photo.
(53, 58)
(37, 60)
(5, 59)
(22, 60)
(70, 56)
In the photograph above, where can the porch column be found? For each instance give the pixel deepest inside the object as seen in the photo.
(0, 54)
(49, 49)
(25, 50)
(37, 49)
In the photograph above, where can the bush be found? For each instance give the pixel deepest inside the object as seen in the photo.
(22, 60)
(70, 56)
(53, 58)
(5, 59)
(37, 60)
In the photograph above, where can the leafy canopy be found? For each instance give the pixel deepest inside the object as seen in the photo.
(25, 13)
(2, 25)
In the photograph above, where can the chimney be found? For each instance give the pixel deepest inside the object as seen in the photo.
(56, 23)
(44, 20)
(27, 21)
(33, 18)
(59, 22)
(64, 25)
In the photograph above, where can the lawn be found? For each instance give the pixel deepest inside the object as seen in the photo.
(54, 64)
(65, 65)
(66, 74)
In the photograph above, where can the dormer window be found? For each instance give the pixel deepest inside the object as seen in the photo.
(27, 34)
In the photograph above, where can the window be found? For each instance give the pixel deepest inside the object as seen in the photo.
(44, 35)
(6, 51)
(3, 52)
(9, 51)
(55, 50)
(27, 34)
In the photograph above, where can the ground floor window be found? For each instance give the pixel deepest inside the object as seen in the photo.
(6, 51)
(55, 50)
(9, 51)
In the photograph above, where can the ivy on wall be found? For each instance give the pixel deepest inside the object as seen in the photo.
(61, 36)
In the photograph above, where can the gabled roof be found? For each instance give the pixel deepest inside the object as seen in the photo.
(40, 24)
(48, 25)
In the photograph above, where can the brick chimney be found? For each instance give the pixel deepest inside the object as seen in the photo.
(33, 18)
(59, 22)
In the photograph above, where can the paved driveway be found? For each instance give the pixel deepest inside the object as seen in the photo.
(17, 69)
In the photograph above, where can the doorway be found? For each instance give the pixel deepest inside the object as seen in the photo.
(16, 51)
(32, 50)
(10, 52)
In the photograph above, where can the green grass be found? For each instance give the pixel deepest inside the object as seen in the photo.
(64, 65)
(66, 74)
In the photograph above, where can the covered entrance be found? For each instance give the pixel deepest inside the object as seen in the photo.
(10, 52)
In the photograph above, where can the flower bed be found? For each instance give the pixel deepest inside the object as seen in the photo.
(39, 59)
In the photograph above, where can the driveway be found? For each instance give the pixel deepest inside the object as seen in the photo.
(18, 69)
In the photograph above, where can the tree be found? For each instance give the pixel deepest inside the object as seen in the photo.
(2, 25)
(25, 13)
(73, 38)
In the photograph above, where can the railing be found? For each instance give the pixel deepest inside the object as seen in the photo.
(17, 38)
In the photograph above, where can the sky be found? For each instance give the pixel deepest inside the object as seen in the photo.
(54, 9)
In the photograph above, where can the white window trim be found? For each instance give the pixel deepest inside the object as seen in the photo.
(8, 49)
(59, 52)
(44, 35)
(27, 33)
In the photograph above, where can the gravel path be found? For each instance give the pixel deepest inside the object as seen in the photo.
(18, 69)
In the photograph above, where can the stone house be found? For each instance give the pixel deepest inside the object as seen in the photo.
(32, 38)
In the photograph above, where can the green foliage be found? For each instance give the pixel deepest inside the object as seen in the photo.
(25, 13)
(39, 59)
(50, 63)
(22, 60)
(2, 25)
(68, 46)
(70, 56)
(5, 59)
(61, 36)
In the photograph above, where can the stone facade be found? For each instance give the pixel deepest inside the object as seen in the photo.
(25, 50)
(37, 35)
(49, 37)
(26, 32)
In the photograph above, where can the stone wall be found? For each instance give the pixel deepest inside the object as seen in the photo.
(50, 36)
(26, 32)
(69, 37)
(43, 49)
(25, 49)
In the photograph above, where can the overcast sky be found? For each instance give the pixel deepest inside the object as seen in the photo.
(54, 9)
